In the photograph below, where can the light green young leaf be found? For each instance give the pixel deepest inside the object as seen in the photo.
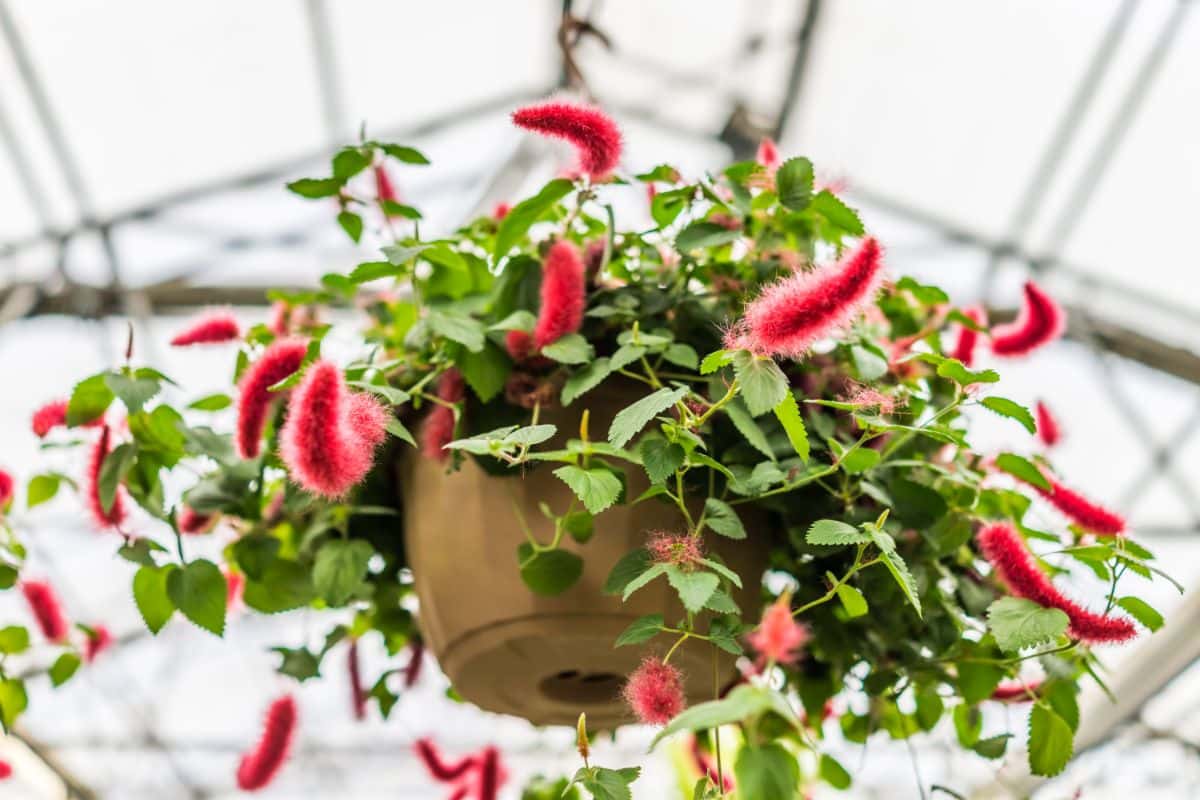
(1051, 742)
(570, 349)
(794, 183)
(1142, 611)
(586, 379)
(339, 569)
(832, 532)
(641, 630)
(723, 519)
(763, 383)
(198, 591)
(598, 488)
(694, 588)
(630, 420)
(1011, 409)
(1018, 623)
(788, 414)
(1022, 469)
(748, 428)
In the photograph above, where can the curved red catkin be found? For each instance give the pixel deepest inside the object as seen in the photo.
(416, 657)
(1049, 431)
(789, 316)
(1011, 559)
(115, 515)
(562, 294)
(358, 697)
(7, 489)
(47, 610)
(1016, 692)
(519, 345)
(437, 429)
(53, 415)
(260, 766)
(329, 439)
(500, 211)
(96, 643)
(767, 154)
(277, 362)
(191, 521)
(1040, 322)
(439, 768)
(385, 190)
(967, 339)
(6, 770)
(1085, 513)
(596, 138)
(212, 328)
(704, 764)
(489, 774)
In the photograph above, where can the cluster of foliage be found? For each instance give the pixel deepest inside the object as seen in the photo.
(853, 457)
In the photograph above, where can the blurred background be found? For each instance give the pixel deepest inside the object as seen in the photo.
(143, 151)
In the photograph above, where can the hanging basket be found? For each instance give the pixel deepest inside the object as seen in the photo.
(546, 659)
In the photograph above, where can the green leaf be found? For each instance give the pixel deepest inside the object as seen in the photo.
(14, 639)
(1023, 469)
(150, 595)
(788, 414)
(764, 385)
(396, 428)
(63, 668)
(133, 392)
(198, 590)
(856, 462)
(748, 428)
(768, 773)
(832, 532)
(372, 271)
(522, 216)
(570, 349)
(956, 371)
(660, 458)
(607, 784)
(929, 708)
(313, 188)
(352, 224)
(916, 504)
(833, 773)
(89, 400)
(254, 553)
(549, 572)
(694, 588)
(643, 629)
(650, 573)
(682, 355)
(704, 235)
(743, 702)
(794, 183)
(13, 701)
(852, 600)
(1061, 695)
(212, 402)
(1051, 742)
(992, 747)
(457, 328)
(598, 488)
(1011, 409)
(586, 379)
(870, 365)
(838, 214)
(407, 155)
(1142, 611)
(630, 420)
(629, 567)
(349, 161)
(721, 517)
(339, 569)
(715, 360)
(899, 569)
(284, 585)
(42, 488)
(114, 469)
(1018, 623)
(485, 371)
(298, 663)
(977, 680)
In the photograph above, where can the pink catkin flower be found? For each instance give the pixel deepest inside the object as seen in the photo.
(1016, 691)
(1048, 429)
(655, 692)
(1008, 555)
(54, 415)
(358, 697)
(562, 295)
(416, 657)
(234, 583)
(47, 610)
(260, 766)
(115, 515)
(439, 768)
(967, 339)
(99, 640)
(500, 211)
(191, 521)
(1040, 322)
(490, 776)
(6, 770)
(255, 399)
(437, 430)
(519, 345)
(594, 135)
(788, 317)
(1085, 513)
(705, 765)
(212, 328)
(779, 637)
(7, 488)
(679, 549)
(328, 442)
(768, 155)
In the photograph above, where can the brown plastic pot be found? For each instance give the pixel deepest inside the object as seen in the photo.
(547, 659)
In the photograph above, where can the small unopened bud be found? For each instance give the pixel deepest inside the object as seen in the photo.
(581, 737)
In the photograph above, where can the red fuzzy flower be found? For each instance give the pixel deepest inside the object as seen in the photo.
(1014, 564)
(490, 774)
(680, 549)
(47, 610)
(594, 135)
(705, 764)
(385, 190)
(789, 316)
(416, 657)
(7, 487)
(655, 692)
(234, 583)
(99, 640)
(1016, 692)
(1040, 322)
(964, 344)
(255, 399)
(519, 345)
(1085, 513)
(562, 295)
(440, 769)
(212, 328)
(500, 211)
(1047, 426)
(260, 766)
(53, 415)
(358, 697)
(115, 515)
(6, 770)
(191, 521)
(779, 637)
(768, 154)
(437, 430)
(328, 442)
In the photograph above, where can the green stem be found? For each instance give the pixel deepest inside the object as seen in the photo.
(717, 406)
(857, 567)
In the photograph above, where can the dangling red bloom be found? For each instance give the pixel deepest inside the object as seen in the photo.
(440, 769)
(115, 515)
(1016, 692)
(7, 488)
(47, 610)
(768, 154)
(260, 766)
(680, 549)
(6, 770)
(964, 344)
(53, 415)
(779, 637)
(562, 295)
(490, 774)
(328, 442)
(788, 317)
(655, 692)
(385, 190)
(437, 430)
(358, 697)
(1085, 513)
(500, 211)
(416, 656)
(1048, 429)
(1008, 555)
(212, 328)
(1040, 322)
(594, 135)
(519, 345)
(234, 583)
(193, 522)
(99, 640)
(255, 399)
(707, 766)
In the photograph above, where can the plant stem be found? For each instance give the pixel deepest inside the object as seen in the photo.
(686, 635)
(857, 567)
(717, 406)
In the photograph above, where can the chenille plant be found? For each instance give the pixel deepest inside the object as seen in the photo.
(789, 392)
